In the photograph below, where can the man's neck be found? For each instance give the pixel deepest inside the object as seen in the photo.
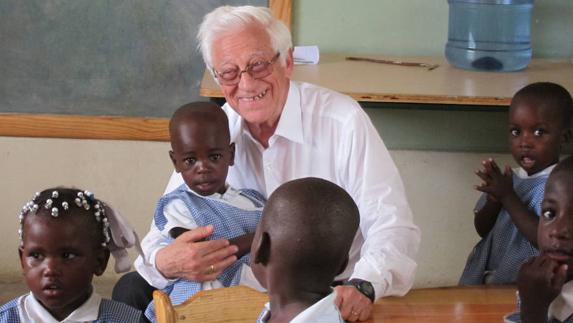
(263, 132)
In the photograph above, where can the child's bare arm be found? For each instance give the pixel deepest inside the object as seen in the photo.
(244, 243)
(485, 217)
(500, 187)
(539, 282)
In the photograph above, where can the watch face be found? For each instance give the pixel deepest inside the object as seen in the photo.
(364, 287)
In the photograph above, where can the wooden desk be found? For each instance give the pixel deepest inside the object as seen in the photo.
(450, 304)
(372, 82)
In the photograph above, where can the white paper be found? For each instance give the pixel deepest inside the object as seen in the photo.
(306, 55)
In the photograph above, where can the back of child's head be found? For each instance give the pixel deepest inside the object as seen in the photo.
(203, 114)
(311, 224)
(549, 96)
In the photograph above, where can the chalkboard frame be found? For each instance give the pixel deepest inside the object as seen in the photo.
(103, 127)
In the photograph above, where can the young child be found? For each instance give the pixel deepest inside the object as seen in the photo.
(301, 244)
(506, 216)
(202, 153)
(545, 282)
(65, 240)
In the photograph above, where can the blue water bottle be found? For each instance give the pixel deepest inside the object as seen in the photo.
(489, 35)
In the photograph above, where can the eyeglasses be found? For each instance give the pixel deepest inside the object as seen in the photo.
(256, 70)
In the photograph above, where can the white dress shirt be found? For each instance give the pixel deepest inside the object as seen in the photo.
(30, 310)
(322, 133)
(323, 311)
(178, 215)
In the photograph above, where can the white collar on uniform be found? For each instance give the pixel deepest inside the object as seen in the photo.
(290, 121)
(521, 173)
(321, 311)
(562, 306)
(231, 196)
(33, 311)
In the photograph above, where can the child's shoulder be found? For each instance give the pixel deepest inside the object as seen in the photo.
(111, 311)
(9, 312)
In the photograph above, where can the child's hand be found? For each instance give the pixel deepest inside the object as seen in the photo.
(495, 183)
(539, 282)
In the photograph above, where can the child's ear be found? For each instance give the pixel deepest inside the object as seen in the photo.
(232, 149)
(20, 251)
(566, 136)
(262, 249)
(102, 256)
(344, 264)
(172, 157)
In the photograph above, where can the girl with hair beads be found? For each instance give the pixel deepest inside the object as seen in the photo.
(66, 236)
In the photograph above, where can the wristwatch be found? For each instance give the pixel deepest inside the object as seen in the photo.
(363, 286)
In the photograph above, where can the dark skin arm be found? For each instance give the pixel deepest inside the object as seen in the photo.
(499, 185)
(539, 282)
(243, 242)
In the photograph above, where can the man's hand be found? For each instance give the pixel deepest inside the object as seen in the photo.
(539, 282)
(353, 305)
(200, 261)
(495, 183)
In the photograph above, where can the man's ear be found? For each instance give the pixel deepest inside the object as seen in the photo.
(172, 157)
(262, 250)
(102, 256)
(232, 149)
(289, 62)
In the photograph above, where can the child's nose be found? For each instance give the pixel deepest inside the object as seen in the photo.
(525, 141)
(202, 166)
(562, 228)
(52, 267)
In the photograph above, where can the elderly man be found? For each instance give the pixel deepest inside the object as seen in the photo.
(285, 130)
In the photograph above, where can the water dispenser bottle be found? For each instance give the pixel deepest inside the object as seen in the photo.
(489, 35)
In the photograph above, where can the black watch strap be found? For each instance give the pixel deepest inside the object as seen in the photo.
(364, 287)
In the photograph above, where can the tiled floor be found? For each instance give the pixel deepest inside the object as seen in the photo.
(10, 290)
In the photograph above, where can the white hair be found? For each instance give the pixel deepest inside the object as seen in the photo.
(227, 18)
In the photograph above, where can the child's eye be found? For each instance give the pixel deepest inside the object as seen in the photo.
(35, 255)
(538, 132)
(548, 214)
(68, 255)
(189, 161)
(514, 132)
(215, 157)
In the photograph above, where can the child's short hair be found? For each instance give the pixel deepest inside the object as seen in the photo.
(563, 168)
(312, 223)
(200, 111)
(551, 95)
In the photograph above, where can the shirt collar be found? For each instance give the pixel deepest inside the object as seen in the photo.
(562, 306)
(323, 309)
(290, 121)
(521, 173)
(87, 312)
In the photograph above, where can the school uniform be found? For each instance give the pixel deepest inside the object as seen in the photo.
(323, 311)
(185, 208)
(27, 309)
(560, 310)
(496, 259)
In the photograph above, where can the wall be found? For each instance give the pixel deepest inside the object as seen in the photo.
(436, 150)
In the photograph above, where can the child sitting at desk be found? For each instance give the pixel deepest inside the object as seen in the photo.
(66, 236)
(506, 215)
(545, 282)
(301, 244)
(202, 153)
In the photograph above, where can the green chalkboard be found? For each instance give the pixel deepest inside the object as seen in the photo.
(101, 57)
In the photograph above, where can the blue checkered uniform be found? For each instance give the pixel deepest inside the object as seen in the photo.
(228, 222)
(109, 312)
(501, 253)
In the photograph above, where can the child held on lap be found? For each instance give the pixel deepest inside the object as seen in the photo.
(301, 244)
(545, 281)
(202, 153)
(507, 214)
(66, 236)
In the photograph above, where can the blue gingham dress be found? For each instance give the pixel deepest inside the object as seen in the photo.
(228, 221)
(501, 253)
(109, 312)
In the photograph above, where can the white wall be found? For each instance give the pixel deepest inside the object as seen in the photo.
(131, 175)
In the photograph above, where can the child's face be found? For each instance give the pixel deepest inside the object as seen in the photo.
(535, 136)
(59, 257)
(555, 230)
(202, 154)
